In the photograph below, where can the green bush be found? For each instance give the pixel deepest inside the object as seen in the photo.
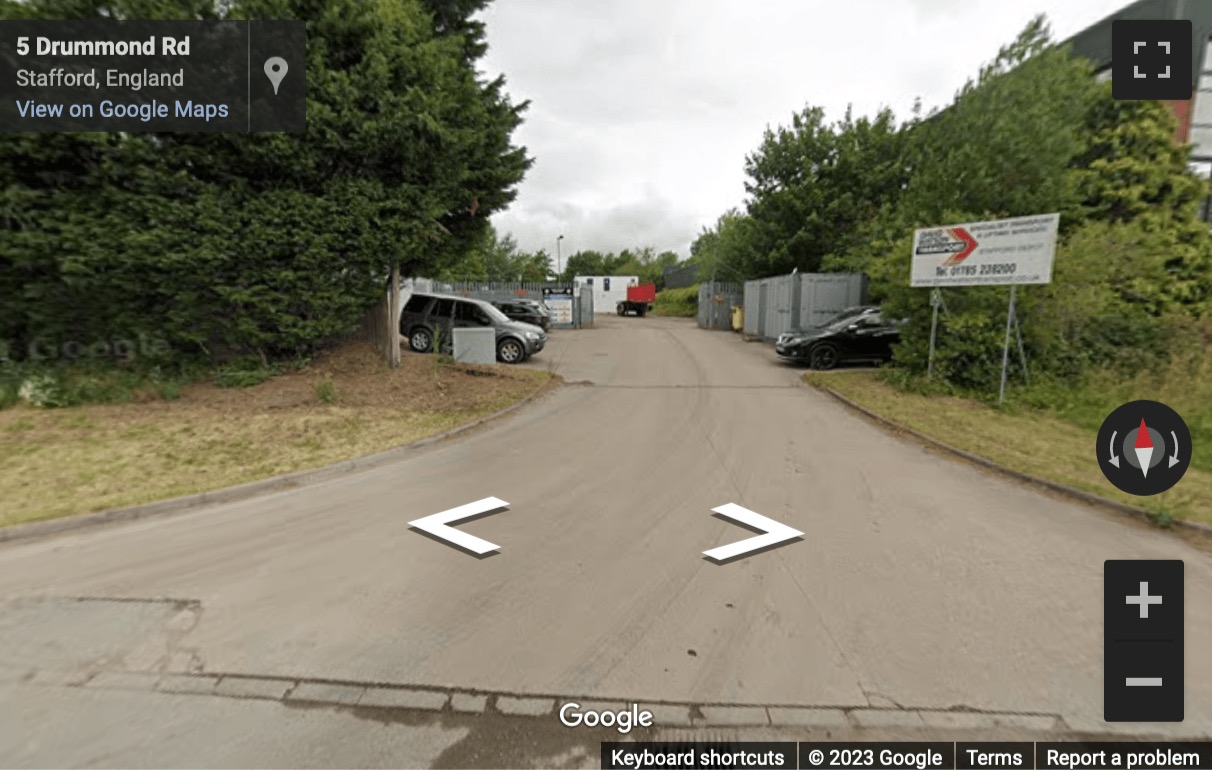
(326, 391)
(169, 391)
(10, 383)
(98, 389)
(8, 396)
(74, 385)
(240, 377)
(1118, 302)
(679, 303)
(47, 391)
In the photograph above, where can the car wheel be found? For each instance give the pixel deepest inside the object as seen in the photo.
(420, 340)
(511, 351)
(823, 357)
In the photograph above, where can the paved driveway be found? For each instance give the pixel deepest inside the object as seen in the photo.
(926, 594)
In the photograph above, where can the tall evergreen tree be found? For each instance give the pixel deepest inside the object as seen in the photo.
(234, 244)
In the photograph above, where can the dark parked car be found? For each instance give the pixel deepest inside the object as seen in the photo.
(535, 303)
(855, 334)
(538, 305)
(525, 312)
(434, 316)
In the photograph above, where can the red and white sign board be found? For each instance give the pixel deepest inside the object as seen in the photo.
(1004, 252)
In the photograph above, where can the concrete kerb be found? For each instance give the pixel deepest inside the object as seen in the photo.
(370, 695)
(281, 483)
(1063, 489)
(454, 701)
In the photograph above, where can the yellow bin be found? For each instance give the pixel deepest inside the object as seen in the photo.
(738, 318)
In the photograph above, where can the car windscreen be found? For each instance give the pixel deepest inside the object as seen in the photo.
(496, 315)
(844, 318)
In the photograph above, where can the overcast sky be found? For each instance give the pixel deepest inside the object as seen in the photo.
(642, 111)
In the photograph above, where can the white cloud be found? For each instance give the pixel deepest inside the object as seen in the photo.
(642, 111)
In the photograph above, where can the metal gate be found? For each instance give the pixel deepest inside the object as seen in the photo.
(754, 308)
(716, 301)
(583, 308)
(780, 302)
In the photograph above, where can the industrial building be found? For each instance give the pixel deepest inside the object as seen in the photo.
(1194, 114)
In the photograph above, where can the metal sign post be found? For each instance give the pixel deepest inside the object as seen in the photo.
(936, 299)
(1022, 351)
(1012, 318)
(1001, 396)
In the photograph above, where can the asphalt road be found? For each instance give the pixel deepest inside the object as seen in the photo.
(923, 587)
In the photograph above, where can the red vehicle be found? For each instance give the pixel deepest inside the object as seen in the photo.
(639, 299)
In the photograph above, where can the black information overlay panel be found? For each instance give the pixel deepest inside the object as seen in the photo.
(911, 755)
(1143, 641)
(700, 755)
(139, 76)
(1151, 58)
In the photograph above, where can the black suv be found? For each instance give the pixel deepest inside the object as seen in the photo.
(429, 316)
(856, 334)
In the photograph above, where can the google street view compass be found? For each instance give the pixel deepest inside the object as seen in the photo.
(1144, 448)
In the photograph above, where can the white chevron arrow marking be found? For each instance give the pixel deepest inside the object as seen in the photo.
(774, 533)
(438, 525)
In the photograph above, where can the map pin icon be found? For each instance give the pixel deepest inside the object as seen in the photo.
(275, 70)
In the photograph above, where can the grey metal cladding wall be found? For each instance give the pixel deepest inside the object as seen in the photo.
(1094, 42)
(753, 309)
(824, 295)
(780, 298)
(799, 301)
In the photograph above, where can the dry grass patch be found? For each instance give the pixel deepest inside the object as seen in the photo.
(346, 404)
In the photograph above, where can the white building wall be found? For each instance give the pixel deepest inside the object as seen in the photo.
(608, 290)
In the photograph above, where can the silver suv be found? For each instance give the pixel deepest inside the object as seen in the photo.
(427, 317)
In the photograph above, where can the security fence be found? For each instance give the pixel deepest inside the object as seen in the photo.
(495, 291)
(682, 277)
(716, 301)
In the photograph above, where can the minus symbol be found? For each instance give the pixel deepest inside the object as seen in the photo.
(1144, 681)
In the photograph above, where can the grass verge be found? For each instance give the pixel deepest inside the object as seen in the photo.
(1031, 441)
(81, 459)
(677, 303)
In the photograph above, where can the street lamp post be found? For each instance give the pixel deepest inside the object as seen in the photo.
(559, 268)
